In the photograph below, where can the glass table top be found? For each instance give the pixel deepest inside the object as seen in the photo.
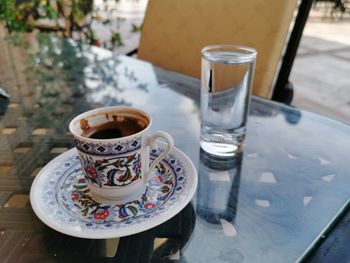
(271, 204)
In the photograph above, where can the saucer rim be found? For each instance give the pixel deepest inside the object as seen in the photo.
(114, 232)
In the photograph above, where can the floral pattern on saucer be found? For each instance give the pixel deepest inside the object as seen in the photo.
(78, 202)
(68, 199)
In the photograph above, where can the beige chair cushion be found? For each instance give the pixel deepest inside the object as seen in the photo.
(174, 32)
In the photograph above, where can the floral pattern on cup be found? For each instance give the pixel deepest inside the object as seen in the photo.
(78, 199)
(108, 148)
(120, 171)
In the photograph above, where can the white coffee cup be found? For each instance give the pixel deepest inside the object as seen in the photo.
(114, 149)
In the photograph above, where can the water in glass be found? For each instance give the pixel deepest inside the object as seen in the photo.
(225, 97)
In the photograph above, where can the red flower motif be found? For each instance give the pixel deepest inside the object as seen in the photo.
(75, 196)
(117, 163)
(130, 157)
(99, 162)
(91, 171)
(149, 205)
(101, 214)
(159, 179)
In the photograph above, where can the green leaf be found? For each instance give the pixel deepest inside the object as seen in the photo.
(165, 189)
(135, 28)
(77, 186)
(50, 12)
(101, 168)
(117, 40)
(105, 22)
(133, 210)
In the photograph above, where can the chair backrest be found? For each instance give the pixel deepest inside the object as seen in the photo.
(175, 31)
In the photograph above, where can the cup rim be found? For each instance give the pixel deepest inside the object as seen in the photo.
(247, 54)
(104, 110)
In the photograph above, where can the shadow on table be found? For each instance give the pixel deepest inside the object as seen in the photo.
(159, 244)
(173, 236)
(217, 197)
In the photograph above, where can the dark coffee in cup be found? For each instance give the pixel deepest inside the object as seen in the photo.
(114, 129)
(117, 127)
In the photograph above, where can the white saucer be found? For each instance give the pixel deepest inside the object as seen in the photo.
(60, 198)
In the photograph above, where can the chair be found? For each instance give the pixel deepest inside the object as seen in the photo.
(174, 33)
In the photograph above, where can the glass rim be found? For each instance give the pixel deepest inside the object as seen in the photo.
(246, 54)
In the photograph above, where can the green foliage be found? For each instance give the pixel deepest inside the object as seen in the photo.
(51, 13)
(12, 16)
(70, 18)
(23, 15)
(117, 40)
(135, 28)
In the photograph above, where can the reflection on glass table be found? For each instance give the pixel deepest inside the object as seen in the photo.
(218, 188)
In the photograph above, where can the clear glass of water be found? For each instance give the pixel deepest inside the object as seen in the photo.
(226, 83)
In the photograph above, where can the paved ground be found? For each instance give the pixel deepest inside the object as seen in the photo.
(321, 72)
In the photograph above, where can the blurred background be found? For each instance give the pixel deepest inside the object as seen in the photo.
(321, 70)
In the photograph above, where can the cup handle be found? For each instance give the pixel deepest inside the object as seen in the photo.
(169, 147)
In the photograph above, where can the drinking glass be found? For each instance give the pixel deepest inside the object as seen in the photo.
(226, 82)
